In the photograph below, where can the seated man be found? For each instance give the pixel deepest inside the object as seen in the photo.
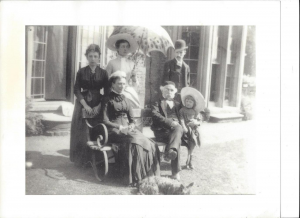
(166, 126)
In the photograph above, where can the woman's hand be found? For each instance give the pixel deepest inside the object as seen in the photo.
(193, 123)
(124, 129)
(174, 123)
(131, 127)
(96, 110)
(89, 110)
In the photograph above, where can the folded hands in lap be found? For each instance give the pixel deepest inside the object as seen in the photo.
(126, 129)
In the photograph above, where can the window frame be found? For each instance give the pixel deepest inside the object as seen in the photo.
(30, 30)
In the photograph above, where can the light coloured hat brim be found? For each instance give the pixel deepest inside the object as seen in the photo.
(200, 102)
(111, 42)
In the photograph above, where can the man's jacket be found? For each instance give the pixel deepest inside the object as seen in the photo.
(170, 73)
(160, 121)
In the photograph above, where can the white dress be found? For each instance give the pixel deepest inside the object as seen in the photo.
(125, 65)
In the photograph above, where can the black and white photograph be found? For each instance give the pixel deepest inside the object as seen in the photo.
(144, 109)
(120, 110)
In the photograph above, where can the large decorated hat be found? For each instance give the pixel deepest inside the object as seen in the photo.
(189, 91)
(111, 42)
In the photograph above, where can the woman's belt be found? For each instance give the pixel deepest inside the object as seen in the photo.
(94, 91)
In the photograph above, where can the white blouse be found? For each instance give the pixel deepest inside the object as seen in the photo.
(122, 64)
(125, 65)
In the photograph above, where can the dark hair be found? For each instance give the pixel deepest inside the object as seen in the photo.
(92, 48)
(191, 98)
(121, 41)
(113, 79)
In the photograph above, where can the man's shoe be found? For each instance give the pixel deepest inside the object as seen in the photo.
(171, 154)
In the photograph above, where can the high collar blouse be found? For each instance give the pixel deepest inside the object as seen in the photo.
(87, 81)
(116, 111)
(122, 64)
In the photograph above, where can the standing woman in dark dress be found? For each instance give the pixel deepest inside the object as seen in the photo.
(138, 156)
(89, 81)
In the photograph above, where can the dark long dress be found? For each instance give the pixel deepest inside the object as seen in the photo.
(192, 137)
(138, 156)
(87, 87)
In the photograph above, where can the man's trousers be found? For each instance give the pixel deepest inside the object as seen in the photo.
(172, 137)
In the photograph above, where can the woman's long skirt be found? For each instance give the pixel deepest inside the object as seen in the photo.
(79, 154)
(78, 136)
(137, 157)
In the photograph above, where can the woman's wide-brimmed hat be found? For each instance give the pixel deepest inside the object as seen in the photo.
(199, 100)
(111, 42)
(180, 45)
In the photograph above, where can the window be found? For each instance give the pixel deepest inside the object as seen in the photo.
(46, 62)
(38, 62)
(191, 35)
(87, 35)
(93, 35)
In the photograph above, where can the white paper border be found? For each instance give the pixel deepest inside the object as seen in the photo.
(15, 15)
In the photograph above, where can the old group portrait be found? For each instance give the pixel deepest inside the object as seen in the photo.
(140, 110)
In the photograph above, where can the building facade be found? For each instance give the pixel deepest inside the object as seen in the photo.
(216, 56)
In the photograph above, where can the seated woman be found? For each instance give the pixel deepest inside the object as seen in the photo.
(138, 156)
(124, 44)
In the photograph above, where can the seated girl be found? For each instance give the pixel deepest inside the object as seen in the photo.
(192, 101)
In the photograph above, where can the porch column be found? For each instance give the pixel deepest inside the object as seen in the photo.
(239, 69)
(224, 55)
(205, 53)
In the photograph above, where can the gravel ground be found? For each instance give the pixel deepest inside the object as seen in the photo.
(225, 164)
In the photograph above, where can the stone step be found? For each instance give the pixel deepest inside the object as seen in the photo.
(44, 106)
(225, 117)
(223, 110)
(55, 117)
(56, 124)
(51, 106)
